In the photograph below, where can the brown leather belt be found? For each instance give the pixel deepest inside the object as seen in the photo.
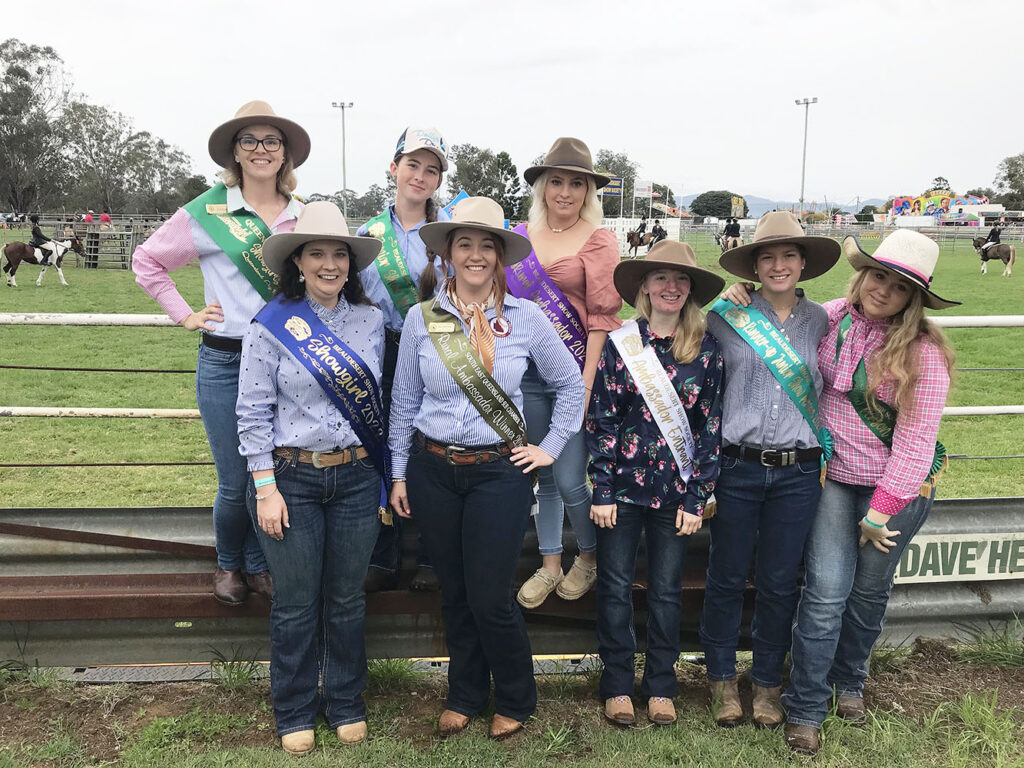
(321, 459)
(460, 456)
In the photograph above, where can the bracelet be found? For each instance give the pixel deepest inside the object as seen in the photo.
(264, 481)
(261, 498)
(397, 479)
(873, 525)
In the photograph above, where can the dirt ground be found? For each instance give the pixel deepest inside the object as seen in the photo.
(103, 719)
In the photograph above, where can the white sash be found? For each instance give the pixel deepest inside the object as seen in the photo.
(657, 391)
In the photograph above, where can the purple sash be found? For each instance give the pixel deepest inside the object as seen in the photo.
(528, 280)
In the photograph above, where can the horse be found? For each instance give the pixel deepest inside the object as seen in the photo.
(1002, 251)
(728, 243)
(15, 253)
(635, 241)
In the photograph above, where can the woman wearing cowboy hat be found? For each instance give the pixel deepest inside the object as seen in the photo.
(653, 431)
(224, 229)
(569, 274)
(310, 368)
(769, 482)
(462, 462)
(392, 282)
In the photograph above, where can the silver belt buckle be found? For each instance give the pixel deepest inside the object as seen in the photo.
(316, 460)
(764, 463)
(452, 449)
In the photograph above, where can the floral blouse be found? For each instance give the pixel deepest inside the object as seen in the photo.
(630, 459)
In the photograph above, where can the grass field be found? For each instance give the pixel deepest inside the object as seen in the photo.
(73, 441)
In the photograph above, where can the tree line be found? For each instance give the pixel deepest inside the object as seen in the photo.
(57, 151)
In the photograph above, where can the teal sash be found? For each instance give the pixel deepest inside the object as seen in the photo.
(879, 417)
(391, 266)
(239, 235)
(784, 363)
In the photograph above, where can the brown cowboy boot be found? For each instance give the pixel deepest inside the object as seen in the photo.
(768, 711)
(803, 739)
(725, 703)
(451, 723)
(851, 708)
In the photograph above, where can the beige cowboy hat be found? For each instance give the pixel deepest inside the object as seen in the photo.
(668, 254)
(257, 113)
(909, 254)
(322, 220)
(485, 215)
(777, 227)
(567, 154)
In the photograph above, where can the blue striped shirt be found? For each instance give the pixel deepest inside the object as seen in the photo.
(280, 404)
(426, 398)
(414, 251)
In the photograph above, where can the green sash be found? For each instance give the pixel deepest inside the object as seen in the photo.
(240, 235)
(457, 354)
(881, 420)
(391, 264)
(784, 363)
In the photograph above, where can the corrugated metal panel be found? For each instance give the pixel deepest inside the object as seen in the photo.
(44, 582)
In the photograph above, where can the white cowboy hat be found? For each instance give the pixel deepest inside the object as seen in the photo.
(322, 220)
(909, 254)
(485, 215)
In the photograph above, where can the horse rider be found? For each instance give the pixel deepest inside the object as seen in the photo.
(658, 233)
(40, 241)
(992, 239)
(641, 228)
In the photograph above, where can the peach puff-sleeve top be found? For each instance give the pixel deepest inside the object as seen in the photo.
(586, 280)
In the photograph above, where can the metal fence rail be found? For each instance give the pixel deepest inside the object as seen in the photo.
(117, 586)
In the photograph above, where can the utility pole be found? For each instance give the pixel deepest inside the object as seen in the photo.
(806, 104)
(343, 105)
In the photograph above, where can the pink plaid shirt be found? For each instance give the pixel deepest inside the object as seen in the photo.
(860, 458)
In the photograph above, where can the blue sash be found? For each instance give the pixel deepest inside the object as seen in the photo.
(341, 373)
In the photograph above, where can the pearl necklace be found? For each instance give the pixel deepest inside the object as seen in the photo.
(563, 229)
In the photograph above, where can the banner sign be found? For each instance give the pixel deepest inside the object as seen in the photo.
(643, 188)
(613, 188)
(737, 207)
(962, 557)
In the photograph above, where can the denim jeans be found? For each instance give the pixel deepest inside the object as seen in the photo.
(616, 637)
(473, 519)
(387, 552)
(842, 606)
(216, 393)
(561, 488)
(318, 616)
(768, 510)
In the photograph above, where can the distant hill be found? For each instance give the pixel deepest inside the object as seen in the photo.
(760, 205)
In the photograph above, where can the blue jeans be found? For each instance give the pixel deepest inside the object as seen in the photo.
(473, 519)
(842, 607)
(561, 488)
(616, 637)
(216, 393)
(768, 510)
(318, 617)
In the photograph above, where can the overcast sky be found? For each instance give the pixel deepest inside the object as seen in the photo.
(700, 94)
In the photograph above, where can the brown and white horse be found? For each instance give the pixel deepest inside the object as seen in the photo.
(728, 243)
(1003, 252)
(635, 241)
(16, 253)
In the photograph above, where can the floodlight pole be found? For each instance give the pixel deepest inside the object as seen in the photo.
(806, 104)
(343, 105)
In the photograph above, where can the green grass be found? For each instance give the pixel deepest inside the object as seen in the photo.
(1001, 645)
(138, 440)
(392, 675)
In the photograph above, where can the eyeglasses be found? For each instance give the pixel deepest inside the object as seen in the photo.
(270, 143)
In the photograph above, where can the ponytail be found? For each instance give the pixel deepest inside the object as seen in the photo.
(428, 277)
(430, 212)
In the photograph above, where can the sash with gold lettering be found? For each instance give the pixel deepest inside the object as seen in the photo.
(341, 373)
(529, 280)
(784, 363)
(654, 385)
(240, 234)
(391, 263)
(457, 355)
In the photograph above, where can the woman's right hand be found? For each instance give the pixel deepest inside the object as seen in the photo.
(739, 293)
(604, 515)
(211, 313)
(400, 499)
(272, 514)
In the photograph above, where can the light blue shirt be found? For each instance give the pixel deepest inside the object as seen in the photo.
(426, 398)
(280, 404)
(414, 251)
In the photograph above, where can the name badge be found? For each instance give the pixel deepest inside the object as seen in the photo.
(216, 209)
(441, 328)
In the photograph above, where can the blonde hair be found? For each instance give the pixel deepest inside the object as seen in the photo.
(591, 211)
(898, 357)
(689, 333)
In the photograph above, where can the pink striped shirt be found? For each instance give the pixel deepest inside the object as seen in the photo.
(860, 458)
(180, 241)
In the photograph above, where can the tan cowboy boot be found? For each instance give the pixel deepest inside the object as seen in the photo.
(451, 723)
(725, 703)
(619, 710)
(298, 743)
(502, 727)
(768, 711)
(661, 710)
(353, 733)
